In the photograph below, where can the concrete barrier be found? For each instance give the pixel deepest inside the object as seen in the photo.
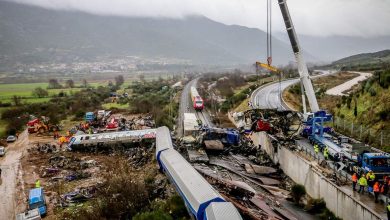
(317, 186)
(262, 139)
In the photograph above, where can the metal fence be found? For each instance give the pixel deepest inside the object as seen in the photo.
(377, 138)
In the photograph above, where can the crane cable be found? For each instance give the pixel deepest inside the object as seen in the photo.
(269, 33)
(269, 45)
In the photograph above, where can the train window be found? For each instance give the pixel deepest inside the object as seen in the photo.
(380, 162)
(81, 138)
(87, 138)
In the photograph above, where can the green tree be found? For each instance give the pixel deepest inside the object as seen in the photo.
(39, 92)
(297, 192)
(69, 83)
(54, 84)
(17, 100)
(84, 83)
(119, 80)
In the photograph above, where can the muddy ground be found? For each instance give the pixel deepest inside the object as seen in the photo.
(59, 172)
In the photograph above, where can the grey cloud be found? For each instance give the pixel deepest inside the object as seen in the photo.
(366, 18)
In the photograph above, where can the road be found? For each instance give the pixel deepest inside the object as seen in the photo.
(338, 90)
(268, 96)
(11, 175)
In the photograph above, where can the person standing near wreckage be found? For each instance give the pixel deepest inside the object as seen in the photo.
(316, 150)
(354, 181)
(326, 153)
(362, 183)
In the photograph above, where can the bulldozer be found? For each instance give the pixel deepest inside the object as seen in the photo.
(41, 126)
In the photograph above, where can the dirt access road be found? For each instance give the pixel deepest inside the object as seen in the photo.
(340, 89)
(11, 176)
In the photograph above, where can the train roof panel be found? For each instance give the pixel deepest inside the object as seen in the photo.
(222, 210)
(192, 185)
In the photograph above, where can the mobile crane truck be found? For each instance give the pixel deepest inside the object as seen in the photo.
(361, 162)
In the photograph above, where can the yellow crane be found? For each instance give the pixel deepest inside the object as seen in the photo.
(268, 67)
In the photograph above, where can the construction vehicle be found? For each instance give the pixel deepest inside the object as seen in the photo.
(112, 125)
(90, 117)
(41, 126)
(315, 129)
(36, 200)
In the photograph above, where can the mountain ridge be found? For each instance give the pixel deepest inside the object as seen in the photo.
(30, 34)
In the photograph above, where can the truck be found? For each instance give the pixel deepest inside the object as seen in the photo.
(378, 162)
(36, 200)
(90, 117)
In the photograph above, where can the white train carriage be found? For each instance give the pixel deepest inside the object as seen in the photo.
(112, 138)
(202, 200)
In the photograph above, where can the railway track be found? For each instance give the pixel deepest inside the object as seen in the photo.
(205, 121)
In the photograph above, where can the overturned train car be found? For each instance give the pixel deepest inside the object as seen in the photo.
(201, 199)
(105, 141)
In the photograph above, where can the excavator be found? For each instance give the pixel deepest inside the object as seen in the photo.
(41, 125)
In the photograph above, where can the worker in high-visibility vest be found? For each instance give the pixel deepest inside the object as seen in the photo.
(388, 211)
(326, 153)
(371, 179)
(354, 181)
(37, 184)
(362, 183)
(376, 189)
(316, 150)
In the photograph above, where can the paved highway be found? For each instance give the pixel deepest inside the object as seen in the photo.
(268, 96)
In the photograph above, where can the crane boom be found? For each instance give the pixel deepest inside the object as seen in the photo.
(302, 67)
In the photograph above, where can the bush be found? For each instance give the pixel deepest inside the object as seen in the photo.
(297, 192)
(384, 114)
(372, 92)
(315, 206)
(39, 92)
(328, 215)
(154, 215)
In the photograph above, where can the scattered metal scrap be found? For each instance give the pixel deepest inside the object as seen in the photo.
(252, 203)
(44, 148)
(283, 124)
(77, 196)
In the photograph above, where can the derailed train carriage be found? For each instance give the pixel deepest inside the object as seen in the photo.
(201, 199)
(113, 140)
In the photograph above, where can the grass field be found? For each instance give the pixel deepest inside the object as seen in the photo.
(7, 91)
(24, 90)
(115, 105)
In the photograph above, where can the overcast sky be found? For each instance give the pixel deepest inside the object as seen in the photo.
(313, 17)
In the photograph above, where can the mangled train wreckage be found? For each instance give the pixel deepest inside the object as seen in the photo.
(100, 141)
